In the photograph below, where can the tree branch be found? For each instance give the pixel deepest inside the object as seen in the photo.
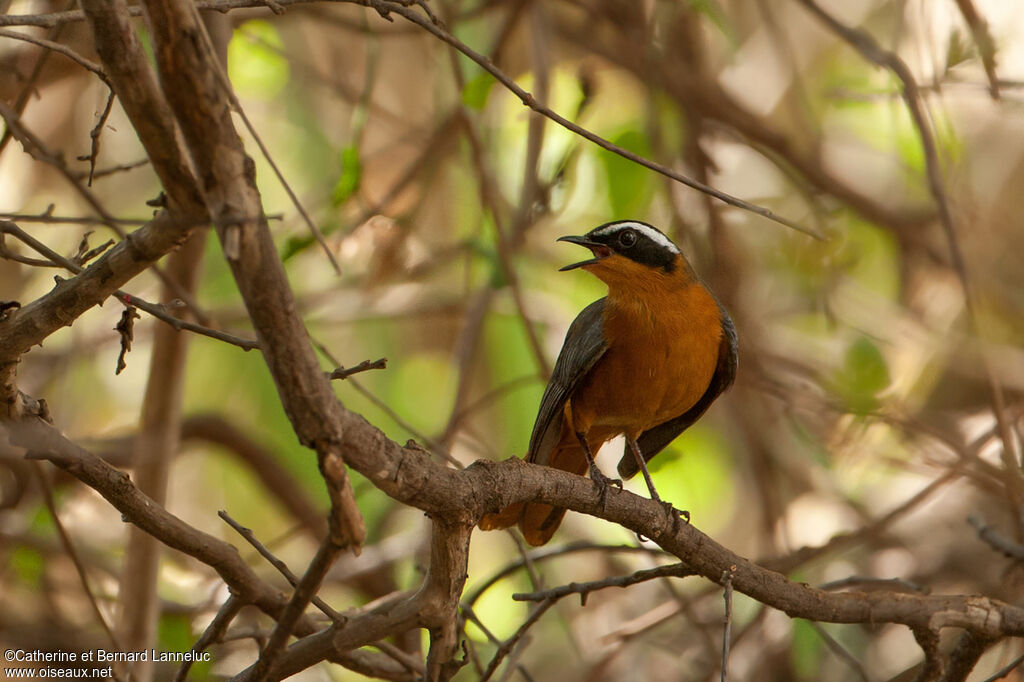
(227, 176)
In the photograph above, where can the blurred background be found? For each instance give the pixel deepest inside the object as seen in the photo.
(860, 433)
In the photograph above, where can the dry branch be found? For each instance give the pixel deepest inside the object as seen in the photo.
(227, 176)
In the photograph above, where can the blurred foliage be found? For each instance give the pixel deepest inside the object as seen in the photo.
(855, 350)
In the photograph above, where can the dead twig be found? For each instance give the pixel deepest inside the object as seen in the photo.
(305, 590)
(996, 540)
(125, 328)
(157, 311)
(213, 633)
(346, 372)
(584, 589)
(281, 566)
(726, 620)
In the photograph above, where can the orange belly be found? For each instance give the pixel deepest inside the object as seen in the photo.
(657, 366)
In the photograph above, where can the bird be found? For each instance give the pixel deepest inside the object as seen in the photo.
(645, 362)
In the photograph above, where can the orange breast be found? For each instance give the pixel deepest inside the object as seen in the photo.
(662, 353)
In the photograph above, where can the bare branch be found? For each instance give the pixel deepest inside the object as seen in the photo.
(59, 49)
(305, 590)
(229, 189)
(384, 7)
(726, 620)
(983, 39)
(584, 589)
(212, 634)
(346, 372)
(994, 539)
(70, 298)
(157, 311)
(866, 45)
(281, 566)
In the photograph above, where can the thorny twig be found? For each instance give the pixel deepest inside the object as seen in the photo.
(157, 311)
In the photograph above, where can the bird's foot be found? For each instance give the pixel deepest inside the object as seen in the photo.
(675, 515)
(603, 483)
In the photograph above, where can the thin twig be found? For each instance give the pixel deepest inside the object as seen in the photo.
(507, 646)
(547, 553)
(48, 218)
(840, 651)
(434, 446)
(95, 136)
(213, 633)
(995, 540)
(69, 549)
(529, 101)
(1006, 670)
(305, 590)
(346, 372)
(983, 39)
(584, 589)
(726, 620)
(281, 566)
(60, 49)
(157, 311)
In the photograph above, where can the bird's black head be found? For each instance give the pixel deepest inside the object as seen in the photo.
(630, 239)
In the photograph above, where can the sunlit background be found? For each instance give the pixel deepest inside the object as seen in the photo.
(861, 380)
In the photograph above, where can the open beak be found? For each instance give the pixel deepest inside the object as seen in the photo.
(599, 250)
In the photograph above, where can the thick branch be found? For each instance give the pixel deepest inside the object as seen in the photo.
(189, 78)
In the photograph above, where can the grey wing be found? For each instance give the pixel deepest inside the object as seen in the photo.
(584, 344)
(653, 441)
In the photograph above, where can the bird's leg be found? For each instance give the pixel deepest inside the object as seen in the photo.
(596, 475)
(674, 513)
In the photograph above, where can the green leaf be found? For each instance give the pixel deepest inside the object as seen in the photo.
(475, 91)
(696, 467)
(630, 185)
(351, 175)
(863, 376)
(28, 565)
(255, 65)
(295, 245)
(174, 635)
(408, 378)
(717, 16)
(959, 51)
(807, 650)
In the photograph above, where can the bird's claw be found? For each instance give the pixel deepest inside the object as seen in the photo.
(603, 483)
(676, 515)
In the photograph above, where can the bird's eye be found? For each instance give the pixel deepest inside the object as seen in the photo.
(627, 238)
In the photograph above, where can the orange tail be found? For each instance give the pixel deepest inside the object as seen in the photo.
(538, 521)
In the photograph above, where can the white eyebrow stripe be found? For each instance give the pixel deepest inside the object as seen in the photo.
(648, 231)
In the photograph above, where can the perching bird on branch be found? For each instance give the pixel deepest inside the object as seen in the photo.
(644, 362)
